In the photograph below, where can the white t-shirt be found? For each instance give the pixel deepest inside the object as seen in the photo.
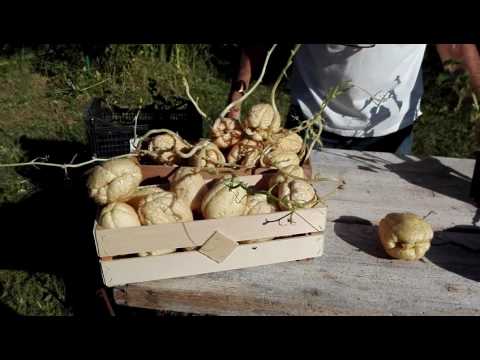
(387, 91)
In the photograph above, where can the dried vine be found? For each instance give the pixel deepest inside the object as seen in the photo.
(35, 162)
(293, 52)
(252, 89)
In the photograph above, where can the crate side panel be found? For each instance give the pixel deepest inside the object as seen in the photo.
(252, 227)
(135, 270)
(114, 242)
(195, 233)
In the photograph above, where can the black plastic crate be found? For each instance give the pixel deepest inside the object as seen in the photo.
(110, 128)
(475, 186)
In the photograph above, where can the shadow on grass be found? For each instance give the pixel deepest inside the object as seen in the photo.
(6, 312)
(51, 231)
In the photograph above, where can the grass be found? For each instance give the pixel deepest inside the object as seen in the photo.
(445, 129)
(43, 97)
(34, 294)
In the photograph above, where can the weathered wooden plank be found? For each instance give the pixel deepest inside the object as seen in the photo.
(354, 277)
(387, 161)
(373, 187)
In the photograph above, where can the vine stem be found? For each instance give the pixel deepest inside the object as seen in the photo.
(291, 205)
(195, 104)
(34, 162)
(202, 144)
(282, 74)
(159, 131)
(185, 84)
(252, 89)
(135, 123)
(317, 118)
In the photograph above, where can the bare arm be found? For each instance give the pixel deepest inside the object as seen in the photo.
(469, 57)
(250, 61)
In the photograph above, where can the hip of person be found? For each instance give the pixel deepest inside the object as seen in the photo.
(400, 141)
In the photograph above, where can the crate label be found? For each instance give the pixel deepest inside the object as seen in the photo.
(218, 247)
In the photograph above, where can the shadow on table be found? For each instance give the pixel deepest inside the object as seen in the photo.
(442, 179)
(365, 240)
(131, 312)
(366, 160)
(439, 178)
(51, 230)
(457, 250)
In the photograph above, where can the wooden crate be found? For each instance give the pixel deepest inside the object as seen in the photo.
(294, 236)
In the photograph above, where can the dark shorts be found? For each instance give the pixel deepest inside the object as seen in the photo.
(388, 143)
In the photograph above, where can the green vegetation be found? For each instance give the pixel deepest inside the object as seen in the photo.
(450, 118)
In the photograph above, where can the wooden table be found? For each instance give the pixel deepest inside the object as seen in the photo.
(354, 277)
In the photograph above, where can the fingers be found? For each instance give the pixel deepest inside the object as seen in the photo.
(234, 113)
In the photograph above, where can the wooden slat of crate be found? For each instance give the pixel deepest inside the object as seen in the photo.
(180, 235)
(135, 270)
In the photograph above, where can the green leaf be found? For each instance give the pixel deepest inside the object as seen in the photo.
(451, 62)
(442, 78)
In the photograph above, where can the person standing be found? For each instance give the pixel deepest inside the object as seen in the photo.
(379, 111)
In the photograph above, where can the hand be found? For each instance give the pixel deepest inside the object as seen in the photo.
(235, 112)
(472, 63)
(469, 58)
